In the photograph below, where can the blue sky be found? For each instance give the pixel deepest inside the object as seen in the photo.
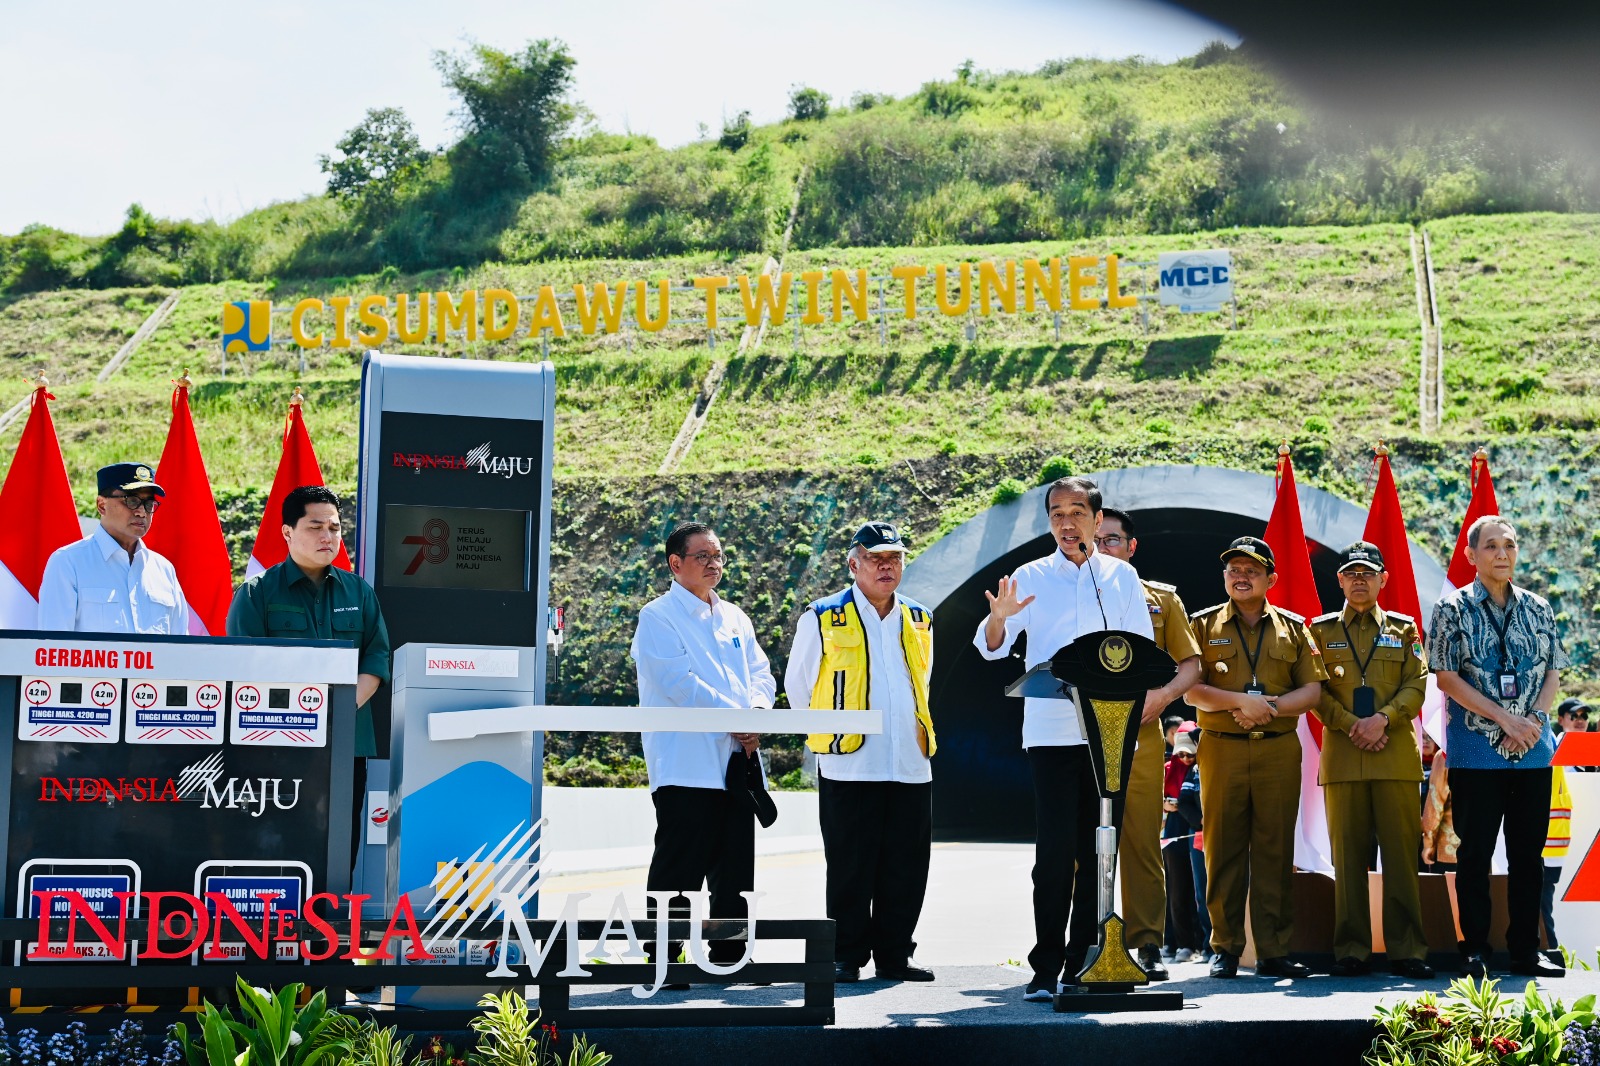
(199, 109)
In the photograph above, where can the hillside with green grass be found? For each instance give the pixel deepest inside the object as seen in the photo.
(1077, 149)
(925, 422)
(1326, 347)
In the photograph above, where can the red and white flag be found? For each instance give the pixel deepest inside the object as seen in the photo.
(187, 529)
(1296, 591)
(1386, 528)
(298, 466)
(36, 487)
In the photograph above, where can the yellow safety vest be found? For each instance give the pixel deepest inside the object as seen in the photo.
(1559, 837)
(843, 679)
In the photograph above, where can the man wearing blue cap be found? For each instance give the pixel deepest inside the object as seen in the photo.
(109, 582)
(865, 647)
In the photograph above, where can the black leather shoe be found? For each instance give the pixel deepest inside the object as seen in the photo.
(844, 973)
(904, 971)
(1474, 965)
(1282, 966)
(1415, 969)
(1536, 966)
(1150, 963)
(1225, 965)
(1351, 967)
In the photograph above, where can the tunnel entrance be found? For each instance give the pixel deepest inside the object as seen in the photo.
(1185, 517)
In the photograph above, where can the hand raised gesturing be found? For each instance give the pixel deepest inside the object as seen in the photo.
(1003, 602)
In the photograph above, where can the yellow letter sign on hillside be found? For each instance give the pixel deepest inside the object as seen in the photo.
(496, 314)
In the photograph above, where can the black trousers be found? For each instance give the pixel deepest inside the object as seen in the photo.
(1066, 802)
(703, 838)
(1183, 924)
(876, 837)
(1480, 801)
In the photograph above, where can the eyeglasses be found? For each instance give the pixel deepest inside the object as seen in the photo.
(138, 503)
(1237, 574)
(1111, 540)
(1582, 716)
(709, 558)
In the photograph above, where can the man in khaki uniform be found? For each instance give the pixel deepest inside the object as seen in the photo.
(1371, 768)
(1144, 883)
(1260, 670)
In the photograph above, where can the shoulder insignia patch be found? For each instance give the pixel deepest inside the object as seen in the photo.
(1202, 612)
(1162, 586)
(1291, 615)
(1400, 617)
(1331, 616)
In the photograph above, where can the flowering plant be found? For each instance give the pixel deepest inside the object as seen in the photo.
(1472, 1024)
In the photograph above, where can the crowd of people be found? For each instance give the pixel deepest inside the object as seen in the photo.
(1207, 821)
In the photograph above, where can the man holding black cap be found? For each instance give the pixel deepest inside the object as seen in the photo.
(1260, 669)
(109, 582)
(1370, 767)
(870, 647)
(695, 649)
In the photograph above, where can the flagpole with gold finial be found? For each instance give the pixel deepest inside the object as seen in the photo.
(1480, 463)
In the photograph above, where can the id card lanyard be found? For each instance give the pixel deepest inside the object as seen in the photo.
(1255, 688)
(1363, 700)
(1507, 676)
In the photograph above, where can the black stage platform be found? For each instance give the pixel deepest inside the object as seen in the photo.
(976, 1014)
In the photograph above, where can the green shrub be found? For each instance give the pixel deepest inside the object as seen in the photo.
(1319, 425)
(1008, 490)
(807, 104)
(1158, 427)
(1055, 468)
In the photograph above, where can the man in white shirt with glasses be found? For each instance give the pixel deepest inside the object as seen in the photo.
(109, 582)
(695, 649)
(1072, 591)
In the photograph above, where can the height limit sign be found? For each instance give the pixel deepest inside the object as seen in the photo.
(279, 715)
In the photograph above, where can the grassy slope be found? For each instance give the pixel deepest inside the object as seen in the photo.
(1327, 327)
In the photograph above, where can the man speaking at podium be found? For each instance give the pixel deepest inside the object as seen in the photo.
(1055, 600)
(110, 582)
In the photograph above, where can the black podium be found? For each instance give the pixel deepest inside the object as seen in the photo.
(1106, 675)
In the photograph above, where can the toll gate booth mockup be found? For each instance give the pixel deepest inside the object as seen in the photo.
(171, 764)
(455, 477)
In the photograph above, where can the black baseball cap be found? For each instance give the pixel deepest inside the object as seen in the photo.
(1572, 705)
(1251, 548)
(127, 477)
(1361, 553)
(878, 537)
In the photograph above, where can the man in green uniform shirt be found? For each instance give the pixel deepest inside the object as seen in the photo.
(1370, 768)
(306, 597)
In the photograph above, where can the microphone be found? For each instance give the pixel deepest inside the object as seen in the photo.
(1101, 603)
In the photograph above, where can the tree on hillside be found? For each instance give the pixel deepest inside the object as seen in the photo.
(515, 109)
(807, 104)
(374, 160)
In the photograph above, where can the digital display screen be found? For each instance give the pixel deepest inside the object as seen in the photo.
(480, 548)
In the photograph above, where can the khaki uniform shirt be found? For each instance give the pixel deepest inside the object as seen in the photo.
(1170, 621)
(1289, 658)
(1398, 677)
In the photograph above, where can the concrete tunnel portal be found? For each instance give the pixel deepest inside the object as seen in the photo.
(1186, 516)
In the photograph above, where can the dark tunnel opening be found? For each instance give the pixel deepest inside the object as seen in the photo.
(982, 786)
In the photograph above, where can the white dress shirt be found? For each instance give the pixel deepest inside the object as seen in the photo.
(696, 654)
(895, 754)
(93, 587)
(1064, 608)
